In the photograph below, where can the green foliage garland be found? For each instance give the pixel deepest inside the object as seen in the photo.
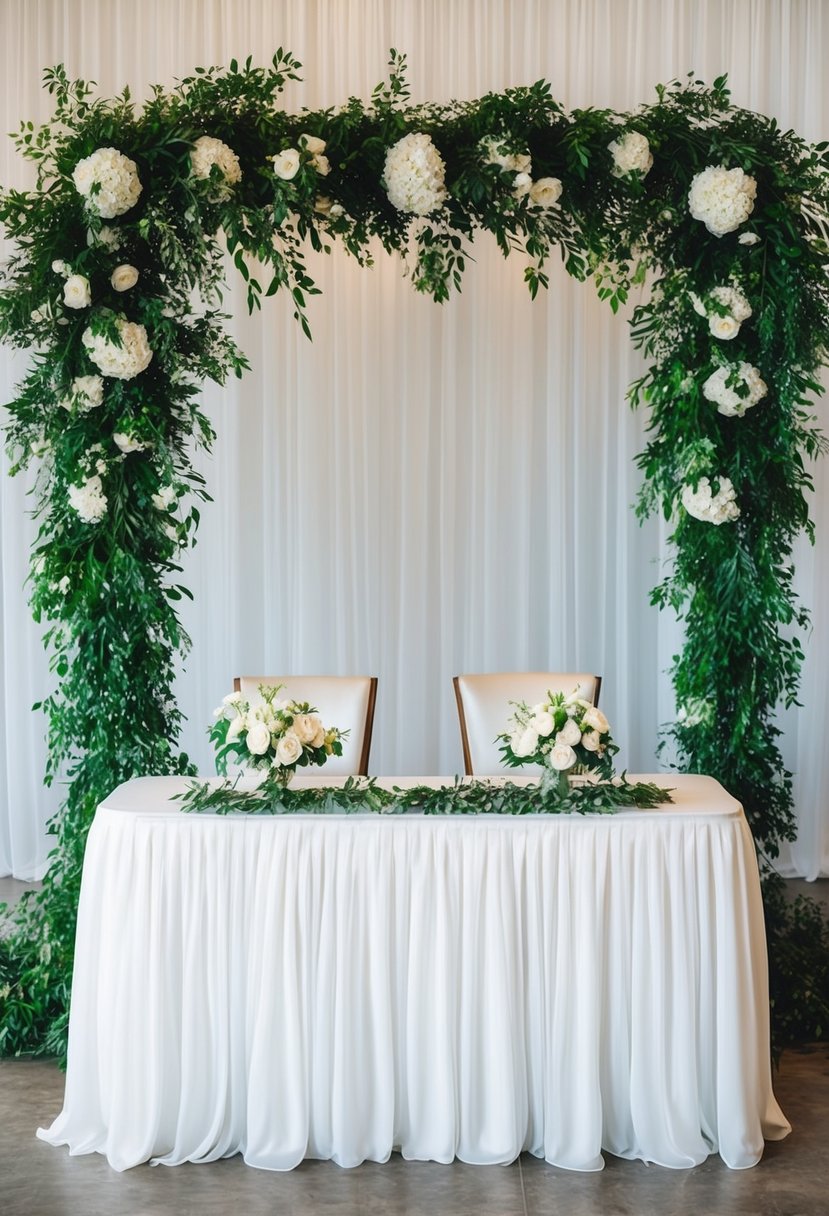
(117, 498)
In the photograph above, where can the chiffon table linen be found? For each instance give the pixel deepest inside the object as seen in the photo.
(341, 986)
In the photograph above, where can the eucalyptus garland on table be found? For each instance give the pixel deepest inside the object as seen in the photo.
(115, 286)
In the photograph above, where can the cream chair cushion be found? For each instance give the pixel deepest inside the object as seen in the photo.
(343, 701)
(484, 701)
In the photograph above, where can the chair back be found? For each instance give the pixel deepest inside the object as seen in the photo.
(484, 710)
(343, 701)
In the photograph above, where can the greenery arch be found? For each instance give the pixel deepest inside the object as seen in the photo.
(120, 235)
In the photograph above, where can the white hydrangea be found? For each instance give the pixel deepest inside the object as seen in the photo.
(721, 198)
(208, 152)
(734, 389)
(120, 362)
(703, 504)
(108, 181)
(89, 500)
(414, 175)
(631, 154)
(86, 393)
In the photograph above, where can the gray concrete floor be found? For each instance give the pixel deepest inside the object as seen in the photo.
(38, 1180)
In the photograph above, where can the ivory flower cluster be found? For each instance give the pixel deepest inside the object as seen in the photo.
(726, 308)
(273, 733)
(711, 508)
(414, 175)
(89, 500)
(108, 181)
(734, 389)
(120, 362)
(544, 192)
(558, 733)
(208, 152)
(721, 198)
(86, 393)
(631, 154)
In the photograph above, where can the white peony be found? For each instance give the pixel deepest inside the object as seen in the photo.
(734, 389)
(208, 152)
(543, 723)
(561, 757)
(76, 292)
(120, 362)
(711, 508)
(288, 749)
(595, 719)
(569, 734)
(546, 192)
(631, 154)
(108, 181)
(414, 175)
(286, 164)
(721, 198)
(259, 738)
(89, 500)
(124, 277)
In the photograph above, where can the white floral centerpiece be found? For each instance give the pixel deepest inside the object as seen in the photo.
(560, 733)
(273, 737)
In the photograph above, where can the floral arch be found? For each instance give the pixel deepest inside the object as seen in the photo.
(115, 286)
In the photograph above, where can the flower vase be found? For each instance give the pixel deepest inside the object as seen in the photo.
(283, 776)
(555, 783)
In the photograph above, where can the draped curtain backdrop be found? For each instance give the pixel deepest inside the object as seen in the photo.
(424, 489)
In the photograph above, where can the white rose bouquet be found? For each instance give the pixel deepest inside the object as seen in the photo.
(273, 737)
(559, 733)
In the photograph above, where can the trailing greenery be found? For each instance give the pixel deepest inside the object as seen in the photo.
(115, 287)
(360, 795)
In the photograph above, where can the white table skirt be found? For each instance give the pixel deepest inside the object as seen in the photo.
(473, 987)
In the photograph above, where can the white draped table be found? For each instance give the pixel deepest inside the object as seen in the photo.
(339, 986)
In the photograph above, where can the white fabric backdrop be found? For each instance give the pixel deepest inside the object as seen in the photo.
(423, 490)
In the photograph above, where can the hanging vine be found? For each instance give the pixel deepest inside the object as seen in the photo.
(115, 287)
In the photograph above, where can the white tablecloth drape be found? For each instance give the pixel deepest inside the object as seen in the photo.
(341, 986)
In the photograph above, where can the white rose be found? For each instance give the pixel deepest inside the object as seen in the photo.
(288, 749)
(543, 724)
(525, 742)
(521, 184)
(236, 727)
(591, 740)
(124, 277)
(595, 719)
(319, 735)
(305, 727)
(259, 739)
(569, 734)
(546, 192)
(723, 327)
(320, 163)
(286, 164)
(62, 268)
(76, 292)
(561, 757)
(312, 144)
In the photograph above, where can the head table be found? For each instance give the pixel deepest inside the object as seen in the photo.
(340, 986)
